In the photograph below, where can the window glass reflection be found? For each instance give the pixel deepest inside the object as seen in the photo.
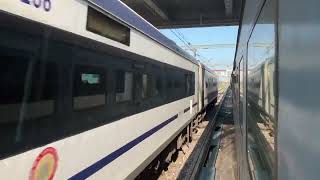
(261, 96)
(124, 86)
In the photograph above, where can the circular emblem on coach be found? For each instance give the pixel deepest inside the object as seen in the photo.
(45, 166)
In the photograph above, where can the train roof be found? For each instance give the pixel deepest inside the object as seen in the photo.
(121, 11)
(207, 68)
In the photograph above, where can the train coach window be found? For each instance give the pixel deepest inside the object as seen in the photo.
(177, 84)
(43, 90)
(103, 25)
(214, 83)
(154, 86)
(124, 86)
(89, 87)
(39, 95)
(192, 83)
(28, 98)
(144, 92)
(189, 84)
(158, 86)
(141, 86)
(12, 77)
(169, 84)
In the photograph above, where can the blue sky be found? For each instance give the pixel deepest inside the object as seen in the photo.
(219, 57)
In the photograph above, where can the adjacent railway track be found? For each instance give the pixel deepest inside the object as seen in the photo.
(201, 160)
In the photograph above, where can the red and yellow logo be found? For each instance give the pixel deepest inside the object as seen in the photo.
(45, 166)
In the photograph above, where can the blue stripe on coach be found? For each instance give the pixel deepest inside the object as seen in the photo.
(117, 153)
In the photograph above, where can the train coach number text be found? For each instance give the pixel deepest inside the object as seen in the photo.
(45, 4)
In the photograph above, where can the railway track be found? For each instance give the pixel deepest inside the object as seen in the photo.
(199, 164)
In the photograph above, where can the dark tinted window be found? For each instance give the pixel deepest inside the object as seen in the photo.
(44, 82)
(124, 86)
(145, 92)
(158, 85)
(176, 84)
(38, 93)
(169, 83)
(189, 84)
(29, 89)
(13, 75)
(89, 86)
(120, 81)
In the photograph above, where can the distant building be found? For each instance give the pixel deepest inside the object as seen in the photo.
(223, 74)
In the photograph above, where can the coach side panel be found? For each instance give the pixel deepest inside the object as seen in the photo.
(76, 80)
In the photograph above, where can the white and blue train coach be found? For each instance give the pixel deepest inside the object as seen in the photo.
(89, 89)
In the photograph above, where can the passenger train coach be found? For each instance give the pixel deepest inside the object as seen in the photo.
(89, 89)
(275, 84)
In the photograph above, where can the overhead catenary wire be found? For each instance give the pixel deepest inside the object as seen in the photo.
(188, 45)
(181, 39)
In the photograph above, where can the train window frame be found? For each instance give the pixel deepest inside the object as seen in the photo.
(105, 26)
